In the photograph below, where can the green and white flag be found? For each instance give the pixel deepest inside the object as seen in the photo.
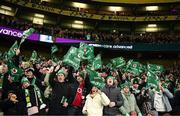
(93, 75)
(54, 49)
(5, 56)
(55, 59)
(71, 58)
(134, 67)
(12, 50)
(86, 52)
(97, 63)
(153, 80)
(118, 62)
(98, 84)
(26, 34)
(155, 68)
(109, 65)
(34, 56)
(95, 79)
(15, 72)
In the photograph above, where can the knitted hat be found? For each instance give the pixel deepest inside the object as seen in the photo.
(61, 72)
(23, 80)
(126, 84)
(135, 81)
(110, 77)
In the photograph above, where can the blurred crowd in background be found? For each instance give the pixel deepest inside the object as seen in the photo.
(93, 35)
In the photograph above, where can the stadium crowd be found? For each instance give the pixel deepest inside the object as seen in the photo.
(93, 35)
(39, 86)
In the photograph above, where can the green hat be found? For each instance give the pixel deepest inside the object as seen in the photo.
(23, 80)
(126, 84)
(61, 72)
(136, 81)
(110, 77)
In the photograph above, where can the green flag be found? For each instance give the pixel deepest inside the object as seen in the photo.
(14, 72)
(12, 50)
(95, 79)
(93, 75)
(97, 63)
(34, 56)
(109, 65)
(153, 80)
(26, 34)
(5, 56)
(71, 58)
(54, 58)
(118, 62)
(155, 68)
(134, 67)
(86, 52)
(98, 84)
(54, 49)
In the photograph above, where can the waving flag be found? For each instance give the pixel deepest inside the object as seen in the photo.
(12, 50)
(26, 34)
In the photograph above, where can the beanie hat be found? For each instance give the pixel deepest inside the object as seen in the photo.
(126, 84)
(110, 77)
(135, 81)
(61, 72)
(23, 80)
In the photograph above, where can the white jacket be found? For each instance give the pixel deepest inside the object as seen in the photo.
(94, 106)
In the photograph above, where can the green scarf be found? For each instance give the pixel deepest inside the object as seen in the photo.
(127, 95)
(38, 93)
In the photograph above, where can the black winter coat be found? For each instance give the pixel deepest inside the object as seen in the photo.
(58, 91)
(10, 108)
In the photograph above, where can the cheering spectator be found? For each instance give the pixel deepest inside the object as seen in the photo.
(130, 106)
(115, 97)
(76, 93)
(58, 104)
(95, 101)
(161, 101)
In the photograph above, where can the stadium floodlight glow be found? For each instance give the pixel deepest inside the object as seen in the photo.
(152, 8)
(115, 8)
(151, 29)
(78, 22)
(38, 21)
(114, 30)
(39, 15)
(6, 12)
(79, 5)
(6, 7)
(77, 26)
(152, 25)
